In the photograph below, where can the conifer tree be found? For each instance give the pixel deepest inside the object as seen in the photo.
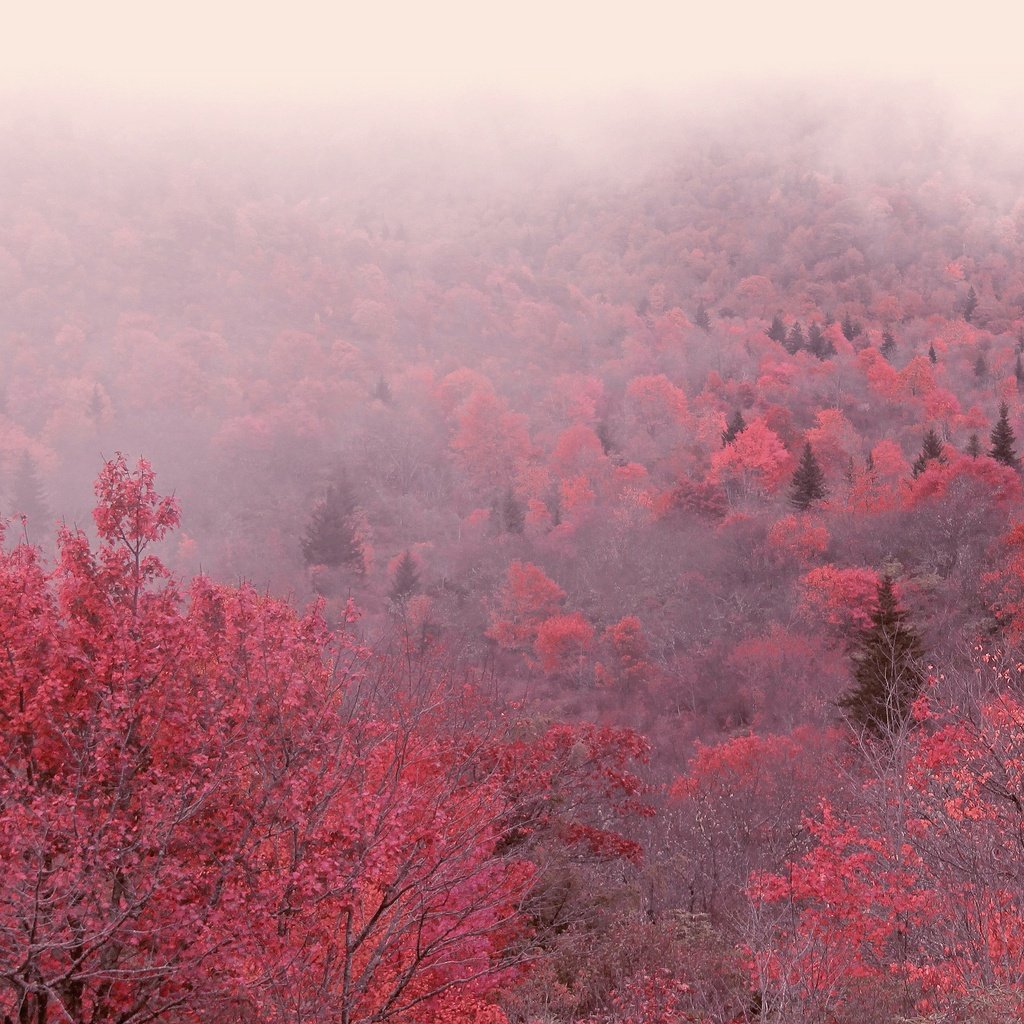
(819, 343)
(970, 304)
(795, 339)
(29, 500)
(980, 366)
(1003, 440)
(330, 539)
(702, 318)
(777, 331)
(888, 346)
(850, 327)
(512, 513)
(736, 425)
(808, 484)
(932, 357)
(931, 451)
(973, 446)
(1018, 372)
(406, 580)
(887, 669)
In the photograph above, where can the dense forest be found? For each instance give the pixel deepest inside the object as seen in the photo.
(513, 571)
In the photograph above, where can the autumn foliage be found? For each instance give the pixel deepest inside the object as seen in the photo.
(215, 807)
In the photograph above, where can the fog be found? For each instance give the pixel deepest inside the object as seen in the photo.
(312, 52)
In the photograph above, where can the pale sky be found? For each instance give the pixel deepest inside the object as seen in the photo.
(228, 49)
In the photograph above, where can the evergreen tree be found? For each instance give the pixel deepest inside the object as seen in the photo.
(970, 304)
(819, 343)
(808, 484)
(28, 499)
(702, 318)
(980, 366)
(96, 404)
(604, 436)
(512, 513)
(777, 331)
(330, 539)
(406, 580)
(888, 346)
(1003, 440)
(382, 390)
(973, 446)
(1018, 372)
(931, 451)
(850, 327)
(887, 669)
(795, 339)
(737, 424)
(932, 357)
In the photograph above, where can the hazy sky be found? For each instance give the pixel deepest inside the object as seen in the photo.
(300, 49)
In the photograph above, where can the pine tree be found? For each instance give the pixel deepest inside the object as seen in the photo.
(1003, 440)
(850, 327)
(819, 343)
(702, 318)
(382, 390)
(980, 366)
(888, 346)
(29, 500)
(777, 331)
(795, 339)
(931, 451)
(808, 484)
(970, 304)
(512, 513)
(973, 446)
(330, 539)
(406, 580)
(1018, 372)
(737, 424)
(932, 357)
(887, 669)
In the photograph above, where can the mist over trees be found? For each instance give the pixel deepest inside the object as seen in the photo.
(574, 574)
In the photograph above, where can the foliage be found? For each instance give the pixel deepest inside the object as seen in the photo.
(888, 669)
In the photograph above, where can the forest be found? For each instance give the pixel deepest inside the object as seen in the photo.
(513, 570)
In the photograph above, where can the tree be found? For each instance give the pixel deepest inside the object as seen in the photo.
(405, 581)
(932, 357)
(736, 425)
(981, 366)
(330, 538)
(819, 342)
(382, 390)
(850, 327)
(221, 810)
(1003, 440)
(931, 451)
(702, 318)
(27, 499)
(777, 330)
(513, 515)
(795, 339)
(973, 447)
(888, 676)
(888, 346)
(970, 304)
(808, 485)
(1018, 372)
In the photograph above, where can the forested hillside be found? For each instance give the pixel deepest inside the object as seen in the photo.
(593, 584)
